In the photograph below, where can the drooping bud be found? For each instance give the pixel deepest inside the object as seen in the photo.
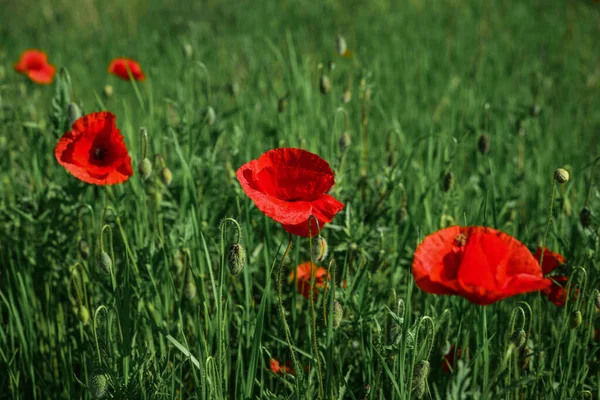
(585, 217)
(340, 45)
(561, 175)
(99, 384)
(108, 91)
(324, 84)
(187, 50)
(338, 314)
(209, 115)
(419, 380)
(145, 168)
(73, 113)
(104, 262)
(346, 96)
(166, 176)
(236, 258)
(447, 181)
(83, 314)
(84, 249)
(518, 338)
(190, 286)
(483, 144)
(319, 249)
(576, 319)
(345, 141)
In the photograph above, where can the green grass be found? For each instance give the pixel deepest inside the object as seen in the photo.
(430, 67)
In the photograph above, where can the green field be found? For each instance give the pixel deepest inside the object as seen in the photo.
(424, 82)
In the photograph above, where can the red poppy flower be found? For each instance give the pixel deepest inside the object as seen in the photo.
(279, 369)
(289, 186)
(478, 263)
(551, 259)
(448, 360)
(557, 293)
(303, 278)
(94, 151)
(34, 63)
(119, 67)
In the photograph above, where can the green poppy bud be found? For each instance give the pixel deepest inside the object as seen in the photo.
(561, 175)
(145, 168)
(108, 91)
(104, 262)
(236, 258)
(83, 314)
(518, 338)
(325, 84)
(319, 249)
(576, 319)
(338, 314)
(166, 176)
(190, 287)
(419, 382)
(98, 384)
(209, 115)
(84, 249)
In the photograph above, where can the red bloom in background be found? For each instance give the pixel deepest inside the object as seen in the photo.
(94, 151)
(478, 263)
(279, 369)
(448, 360)
(119, 66)
(551, 259)
(302, 276)
(34, 63)
(289, 185)
(558, 292)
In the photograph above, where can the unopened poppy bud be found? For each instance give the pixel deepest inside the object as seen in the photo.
(447, 181)
(319, 249)
(187, 50)
(340, 45)
(209, 115)
(84, 249)
(345, 141)
(338, 314)
(83, 314)
(99, 384)
(145, 168)
(236, 258)
(73, 113)
(108, 91)
(561, 175)
(576, 319)
(483, 144)
(346, 96)
(282, 104)
(166, 176)
(104, 262)
(190, 287)
(325, 84)
(518, 338)
(585, 217)
(178, 261)
(420, 374)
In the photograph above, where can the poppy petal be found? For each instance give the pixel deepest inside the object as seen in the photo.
(551, 260)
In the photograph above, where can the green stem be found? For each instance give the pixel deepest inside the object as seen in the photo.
(313, 316)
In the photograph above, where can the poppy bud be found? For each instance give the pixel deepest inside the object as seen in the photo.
(561, 175)
(282, 104)
(178, 260)
(84, 249)
(324, 84)
(108, 91)
(319, 249)
(190, 287)
(209, 115)
(483, 144)
(83, 314)
(187, 50)
(447, 181)
(98, 384)
(166, 176)
(104, 262)
(340, 45)
(73, 113)
(585, 217)
(346, 96)
(518, 338)
(420, 374)
(236, 258)
(338, 314)
(145, 168)
(576, 319)
(345, 141)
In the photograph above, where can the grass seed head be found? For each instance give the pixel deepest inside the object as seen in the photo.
(483, 144)
(576, 319)
(325, 85)
(338, 314)
(104, 262)
(236, 258)
(320, 249)
(561, 175)
(145, 168)
(84, 249)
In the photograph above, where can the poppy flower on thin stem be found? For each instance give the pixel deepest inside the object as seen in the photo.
(302, 276)
(558, 292)
(120, 66)
(448, 362)
(277, 368)
(481, 264)
(290, 185)
(551, 259)
(93, 150)
(34, 63)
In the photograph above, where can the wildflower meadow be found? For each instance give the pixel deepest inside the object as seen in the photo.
(300, 200)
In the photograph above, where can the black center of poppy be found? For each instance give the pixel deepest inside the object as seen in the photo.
(99, 153)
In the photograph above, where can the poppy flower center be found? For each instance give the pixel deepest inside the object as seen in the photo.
(99, 153)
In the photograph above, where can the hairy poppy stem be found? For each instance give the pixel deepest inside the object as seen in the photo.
(286, 328)
(100, 308)
(239, 231)
(549, 222)
(313, 314)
